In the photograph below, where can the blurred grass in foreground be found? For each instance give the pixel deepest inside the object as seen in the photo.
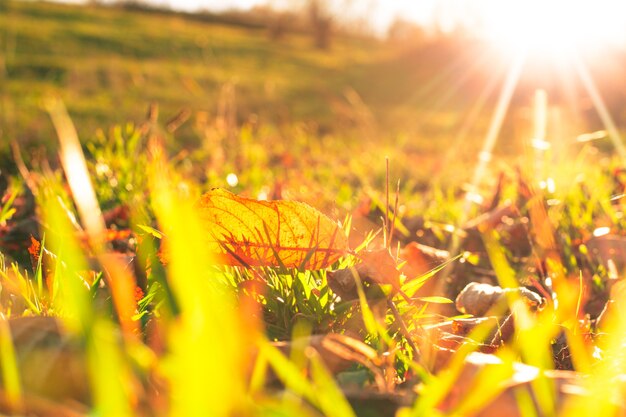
(191, 338)
(199, 339)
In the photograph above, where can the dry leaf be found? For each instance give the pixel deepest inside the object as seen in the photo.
(421, 258)
(50, 361)
(516, 378)
(270, 233)
(381, 267)
(377, 266)
(478, 298)
(609, 249)
(326, 347)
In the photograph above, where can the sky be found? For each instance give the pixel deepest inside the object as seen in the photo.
(587, 20)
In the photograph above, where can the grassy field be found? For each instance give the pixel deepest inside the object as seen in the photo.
(432, 98)
(131, 286)
(108, 65)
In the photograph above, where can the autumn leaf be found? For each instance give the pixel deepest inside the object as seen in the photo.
(478, 299)
(377, 266)
(289, 234)
(421, 258)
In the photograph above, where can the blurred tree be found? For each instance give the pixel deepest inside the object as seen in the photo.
(321, 23)
(278, 26)
(402, 30)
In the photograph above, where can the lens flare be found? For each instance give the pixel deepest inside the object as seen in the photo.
(553, 27)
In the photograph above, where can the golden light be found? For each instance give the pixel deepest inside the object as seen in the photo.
(554, 27)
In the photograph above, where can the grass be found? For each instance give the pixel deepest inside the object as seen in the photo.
(81, 53)
(153, 325)
(204, 333)
(108, 65)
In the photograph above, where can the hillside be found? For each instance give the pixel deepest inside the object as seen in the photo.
(110, 64)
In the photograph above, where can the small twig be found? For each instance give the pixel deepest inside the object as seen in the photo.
(395, 214)
(387, 241)
(542, 291)
(505, 330)
(21, 167)
(177, 121)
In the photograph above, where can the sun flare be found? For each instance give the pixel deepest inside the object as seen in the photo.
(554, 27)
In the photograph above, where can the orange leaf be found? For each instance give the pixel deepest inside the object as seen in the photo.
(421, 258)
(270, 233)
(381, 267)
(34, 250)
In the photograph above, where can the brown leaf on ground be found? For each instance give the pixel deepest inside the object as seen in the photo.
(610, 251)
(477, 298)
(49, 360)
(471, 397)
(338, 352)
(381, 267)
(421, 258)
(442, 340)
(247, 232)
(376, 267)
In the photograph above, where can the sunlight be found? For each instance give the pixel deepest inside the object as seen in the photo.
(600, 106)
(473, 196)
(504, 100)
(553, 28)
